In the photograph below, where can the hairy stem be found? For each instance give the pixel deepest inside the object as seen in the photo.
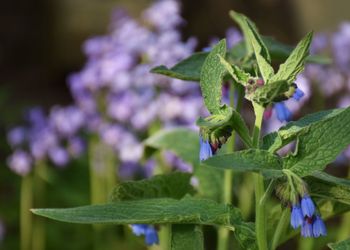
(260, 220)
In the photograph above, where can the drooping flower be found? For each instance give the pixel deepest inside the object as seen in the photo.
(306, 229)
(318, 227)
(307, 206)
(283, 113)
(296, 217)
(205, 151)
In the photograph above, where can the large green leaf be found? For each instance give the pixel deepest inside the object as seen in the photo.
(175, 185)
(185, 237)
(329, 187)
(188, 69)
(342, 245)
(211, 77)
(248, 160)
(289, 70)
(153, 211)
(292, 130)
(181, 141)
(240, 19)
(320, 144)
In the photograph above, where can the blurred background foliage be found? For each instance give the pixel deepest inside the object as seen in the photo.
(40, 44)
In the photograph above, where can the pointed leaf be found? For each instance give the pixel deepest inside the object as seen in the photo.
(342, 245)
(211, 78)
(256, 160)
(188, 69)
(295, 63)
(237, 74)
(266, 94)
(320, 145)
(175, 185)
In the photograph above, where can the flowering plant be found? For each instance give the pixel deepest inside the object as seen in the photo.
(185, 202)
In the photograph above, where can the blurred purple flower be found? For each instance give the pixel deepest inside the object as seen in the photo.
(20, 162)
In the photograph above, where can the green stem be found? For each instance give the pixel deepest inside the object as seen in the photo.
(165, 237)
(260, 220)
(281, 227)
(38, 233)
(344, 230)
(26, 200)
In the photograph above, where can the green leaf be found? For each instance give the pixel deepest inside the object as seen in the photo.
(152, 211)
(268, 93)
(211, 77)
(320, 145)
(185, 144)
(326, 186)
(188, 69)
(292, 130)
(228, 119)
(255, 43)
(237, 74)
(289, 70)
(181, 141)
(248, 160)
(184, 237)
(175, 185)
(342, 245)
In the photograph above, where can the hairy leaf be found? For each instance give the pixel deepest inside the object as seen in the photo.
(228, 117)
(289, 70)
(175, 185)
(292, 130)
(184, 237)
(211, 78)
(188, 69)
(321, 144)
(266, 94)
(248, 160)
(236, 73)
(342, 245)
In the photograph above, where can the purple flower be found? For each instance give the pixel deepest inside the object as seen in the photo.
(16, 136)
(59, 156)
(296, 218)
(205, 151)
(306, 228)
(2, 231)
(298, 94)
(283, 113)
(76, 146)
(319, 228)
(20, 162)
(307, 206)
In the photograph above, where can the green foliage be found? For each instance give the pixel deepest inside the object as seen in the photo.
(269, 93)
(152, 211)
(227, 120)
(292, 130)
(181, 141)
(248, 160)
(329, 187)
(184, 237)
(320, 145)
(211, 78)
(342, 245)
(236, 73)
(289, 70)
(188, 69)
(175, 185)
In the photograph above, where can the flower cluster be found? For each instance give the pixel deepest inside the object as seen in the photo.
(304, 215)
(150, 233)
(54, 137)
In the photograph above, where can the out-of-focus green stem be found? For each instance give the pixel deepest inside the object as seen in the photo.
(260, 220)
(281, 227)
(344, 230)
(38, 233)
(26, 203)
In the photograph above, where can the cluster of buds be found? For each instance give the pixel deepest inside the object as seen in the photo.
(304, 212)
(252, 85)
